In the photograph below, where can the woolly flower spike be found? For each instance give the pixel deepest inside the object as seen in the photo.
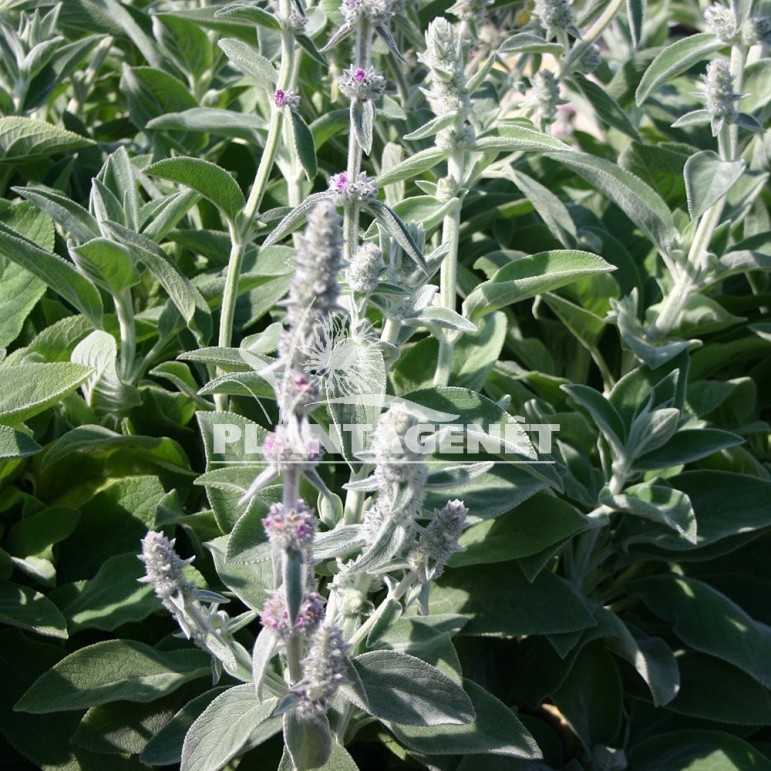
(365, 267)
(721, 22)
(366, 11)
(163, 568)
(720, 96)
(441, 46)
(284, 446)
(439, 541)
(299, 392)
(471, 10)
(756, 30)
(363, 188)
(555, 15)
(289, 100)
(274, 615)
(591, 59)
(546, 97)
(362, 85)
(325, 669)
(313, 291)
(293, 529)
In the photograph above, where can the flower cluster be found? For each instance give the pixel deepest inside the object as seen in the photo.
(275, 616)
(163, 571)
(346, 190)
(362, 84)
(313, 291)
(290, 529)
(719, 94)
(721, 22)
(555, 15)
(389, 525)
(286, 99)
(439, 541)
(363, 272)
(546, 97)
(325, 669)
(209, 628)
(473, 11)
(457, 139)
(443, 58)
(291, 446)
(373, 12)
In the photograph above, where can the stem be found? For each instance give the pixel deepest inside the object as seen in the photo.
(448, 277)
(240, 233)
(396, 594)
(691, 277)
(124, 309)
(593, 33)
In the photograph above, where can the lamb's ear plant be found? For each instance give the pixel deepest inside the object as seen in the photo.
(382, 385)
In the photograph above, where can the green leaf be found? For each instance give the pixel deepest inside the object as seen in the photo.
(55, 272)
(182, 293)
(35, 534)
(251, 13)
(113, 670)
(708, 178)
(552, 211)
(527, 43)
(635, 198)
(165, 747)
(123, 727)
(686, 446)
(607, 108)
(602, 412)
(511, 607)
(303, 145)
(412, 166)
(591, 697)
(27, 139)
(713, 690)
(635, 13)
(753, 253)
(25, 608)
(206, 178)
(111, 598)
(20, 291)
(28, 389)
(438, 317)
(388, 219)
(534, 525)
(696, 750)
(224, 727)
(16, 444)
(494, 731)
(97, 439)
(250, 62)
(658, 503)
(726, 504)
(708, 622)
(70, 215)
(650, 656)
(403, 689)
(514, 138)
(308, 740)
(675, 59)
(107, 264)
(104, 390)
(211, 120)
(529, 276)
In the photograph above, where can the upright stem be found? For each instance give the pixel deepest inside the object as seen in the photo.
(124, 309)
(691, 275)
(240, 232)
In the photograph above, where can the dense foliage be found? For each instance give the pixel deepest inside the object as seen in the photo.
(225, 227)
